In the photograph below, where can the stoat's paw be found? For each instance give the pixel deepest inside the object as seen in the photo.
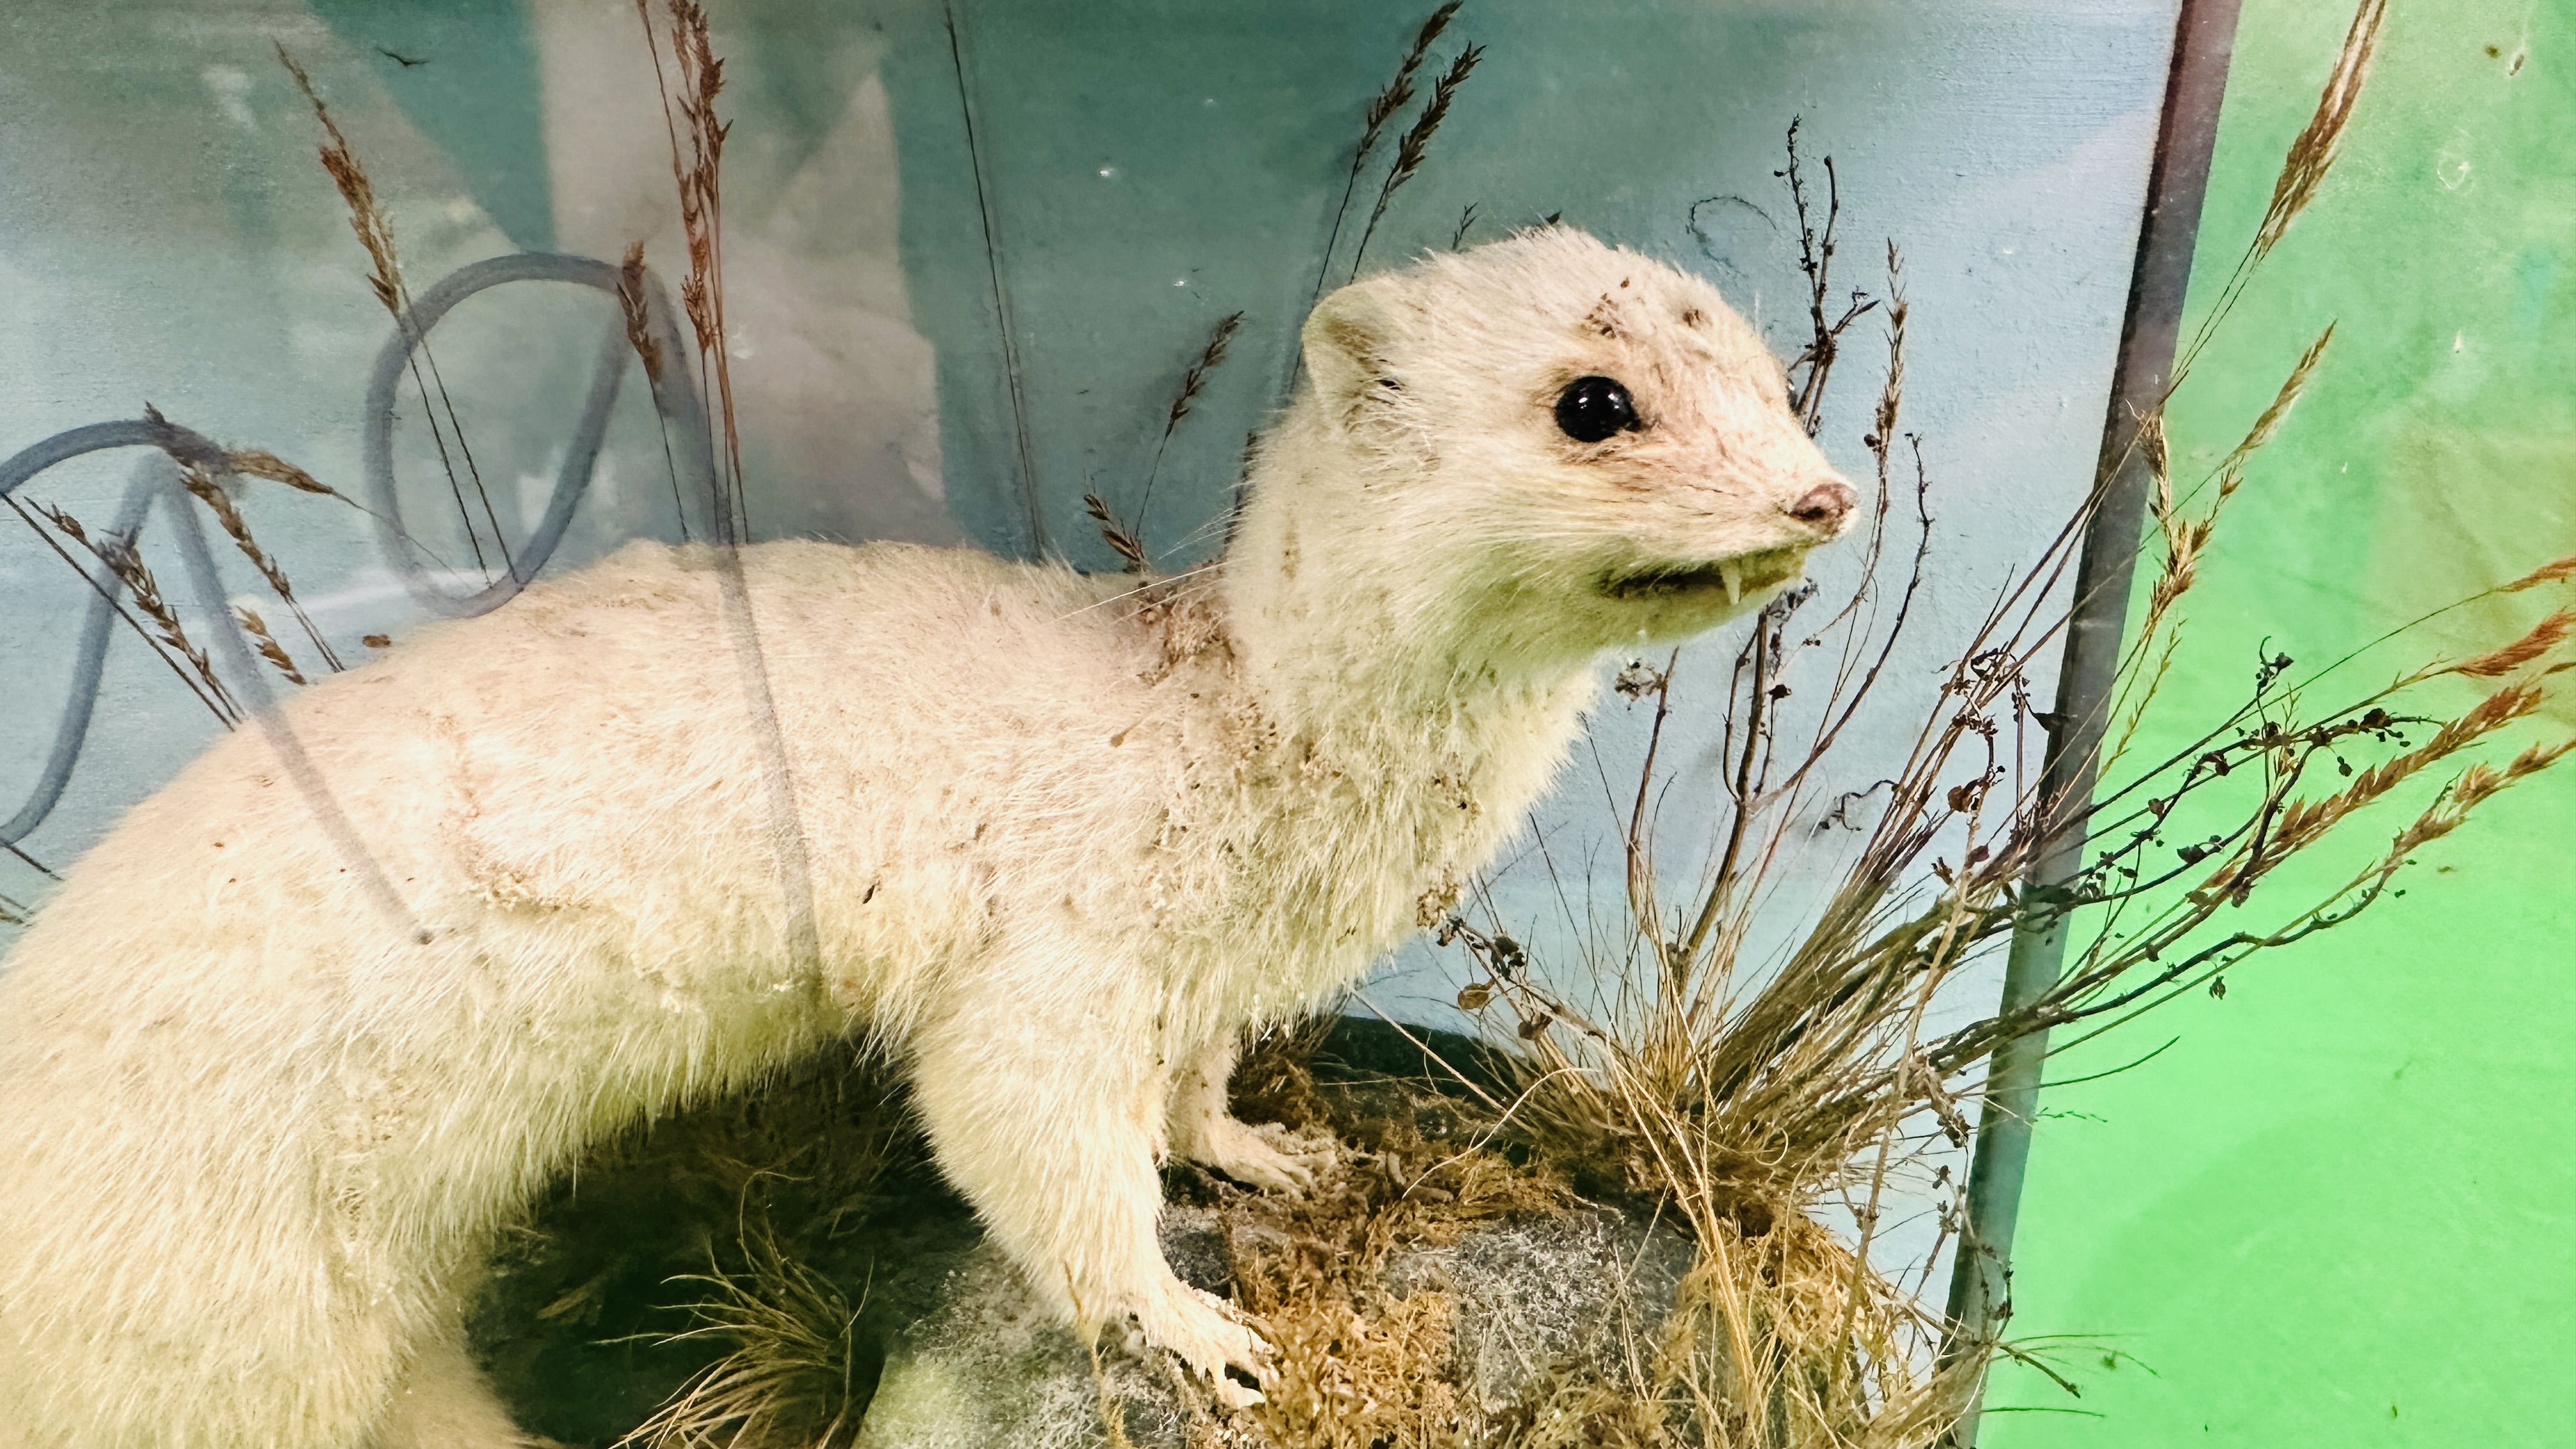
(1210, 1335)
(1256, 1156)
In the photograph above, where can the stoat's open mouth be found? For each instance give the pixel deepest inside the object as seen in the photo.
(1735, 577)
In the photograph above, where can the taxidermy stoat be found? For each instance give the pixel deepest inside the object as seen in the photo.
(269, 1082)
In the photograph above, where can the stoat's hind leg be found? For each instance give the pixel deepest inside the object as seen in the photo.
(1203, 1132)
(443, 1402)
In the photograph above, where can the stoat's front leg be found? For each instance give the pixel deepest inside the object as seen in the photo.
(1202, 1131)
(1039, 1085)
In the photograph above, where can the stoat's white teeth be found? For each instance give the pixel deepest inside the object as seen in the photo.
(1734, 582)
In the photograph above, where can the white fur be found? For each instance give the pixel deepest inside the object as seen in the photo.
(1064, 840)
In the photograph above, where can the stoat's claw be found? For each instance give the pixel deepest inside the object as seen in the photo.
(1211, 1335)
(1247, 1155)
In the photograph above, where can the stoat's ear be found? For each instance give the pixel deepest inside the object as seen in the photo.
(1349, 339)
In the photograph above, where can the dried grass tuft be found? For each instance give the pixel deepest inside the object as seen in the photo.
(787, 1380)
(1361, 1363)
(1757, 1346)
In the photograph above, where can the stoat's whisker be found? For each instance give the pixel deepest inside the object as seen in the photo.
(1166, 581)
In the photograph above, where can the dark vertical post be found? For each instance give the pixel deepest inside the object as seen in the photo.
(1981, 1277)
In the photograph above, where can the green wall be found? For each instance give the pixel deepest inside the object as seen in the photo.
(2342, 1208)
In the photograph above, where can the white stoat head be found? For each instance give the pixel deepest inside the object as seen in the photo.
(1542, 447)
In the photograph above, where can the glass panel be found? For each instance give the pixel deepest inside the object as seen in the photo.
(1013, 277)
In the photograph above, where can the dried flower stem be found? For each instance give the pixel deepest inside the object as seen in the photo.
(1121, 539)
(697, 170)
(2312, 154)
(375, 234)
(1415, 145)
(639, 335)
(1381, 108)
(1210, 358)
(269, 649)
(119, 555)
(199, 472)
(1815, 363)
(73, 530)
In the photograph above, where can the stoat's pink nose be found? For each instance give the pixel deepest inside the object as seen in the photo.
(1824, 505)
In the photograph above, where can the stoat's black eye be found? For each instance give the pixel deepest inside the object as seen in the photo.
(1592, 408)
